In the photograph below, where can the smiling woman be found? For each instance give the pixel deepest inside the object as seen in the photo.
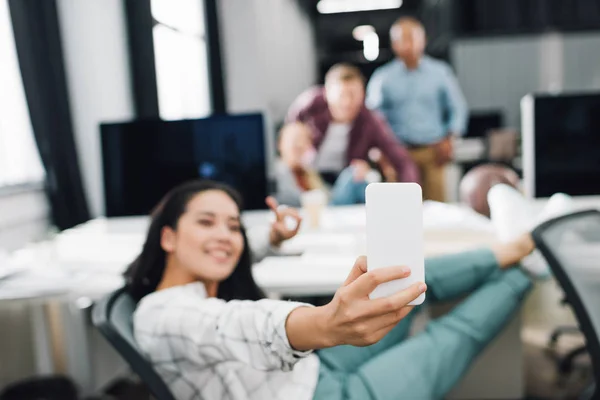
(208, 331)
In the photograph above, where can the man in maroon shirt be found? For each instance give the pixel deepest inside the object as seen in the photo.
(345, 131)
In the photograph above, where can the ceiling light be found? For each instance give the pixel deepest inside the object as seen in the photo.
(371, 46)
(343, 6)
(360, 32)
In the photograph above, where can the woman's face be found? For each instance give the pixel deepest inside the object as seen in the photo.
(207, 242)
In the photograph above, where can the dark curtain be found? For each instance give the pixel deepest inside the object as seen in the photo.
(141, 56)
(37, 38)
(217, 82)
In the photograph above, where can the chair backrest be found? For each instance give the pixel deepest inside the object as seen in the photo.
(571, 244)
(113, 316)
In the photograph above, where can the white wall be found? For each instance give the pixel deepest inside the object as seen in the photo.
(239, 49)
(498, 72)
(288, 51)
(269, 54)
(269, 58)
(581, 70)
(94, 43)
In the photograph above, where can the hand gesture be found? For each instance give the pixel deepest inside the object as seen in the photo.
(280, 231)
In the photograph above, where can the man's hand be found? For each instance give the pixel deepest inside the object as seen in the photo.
(360, 170)
(352, 317)
(444, 150)
(387, 169)
(279, 229)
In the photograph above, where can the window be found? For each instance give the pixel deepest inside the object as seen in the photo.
(181, 59)
(19, 158)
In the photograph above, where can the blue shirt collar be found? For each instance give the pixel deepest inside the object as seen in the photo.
(422, 63)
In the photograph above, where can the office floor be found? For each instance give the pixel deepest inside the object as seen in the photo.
(541, 315)
(542, 379)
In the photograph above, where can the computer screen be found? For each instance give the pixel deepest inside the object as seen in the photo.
(143, 160)
(480, 123)
(562, 151)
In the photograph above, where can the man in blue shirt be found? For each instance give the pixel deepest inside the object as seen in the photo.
(422, 101)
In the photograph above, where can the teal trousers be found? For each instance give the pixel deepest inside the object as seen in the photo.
(429, 364)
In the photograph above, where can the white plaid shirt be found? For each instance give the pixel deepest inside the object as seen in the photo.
(207, 348)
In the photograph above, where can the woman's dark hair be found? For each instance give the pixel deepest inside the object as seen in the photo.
(144, 274)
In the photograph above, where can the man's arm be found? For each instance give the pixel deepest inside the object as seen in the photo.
(455, 104)
(374, 96)
(390, 146)
(303, 105)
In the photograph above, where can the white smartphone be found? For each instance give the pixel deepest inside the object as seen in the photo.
(395, 233)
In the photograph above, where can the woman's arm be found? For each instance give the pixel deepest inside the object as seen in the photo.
(270, 334)
(211, 331)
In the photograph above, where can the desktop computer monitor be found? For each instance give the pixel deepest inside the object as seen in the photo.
(143, 160)
(482, 122)
(561, 144)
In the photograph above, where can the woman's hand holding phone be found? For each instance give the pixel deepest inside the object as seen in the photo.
(352, 317)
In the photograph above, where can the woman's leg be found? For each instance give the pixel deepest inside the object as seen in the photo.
(346, 191)
(447, 277)
(349, 358)
(428, 365)
(451, 276)
(331, 384)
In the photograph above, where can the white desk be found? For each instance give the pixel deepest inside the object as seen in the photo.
(329, 253)
(88, 260)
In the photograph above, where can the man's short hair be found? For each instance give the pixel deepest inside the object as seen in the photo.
(344, 72)
(405, 20)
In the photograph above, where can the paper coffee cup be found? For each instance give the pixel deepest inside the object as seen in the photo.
(313, 203)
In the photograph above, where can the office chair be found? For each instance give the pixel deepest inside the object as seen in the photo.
(113, 318)
(565, 363)
(571, 245)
